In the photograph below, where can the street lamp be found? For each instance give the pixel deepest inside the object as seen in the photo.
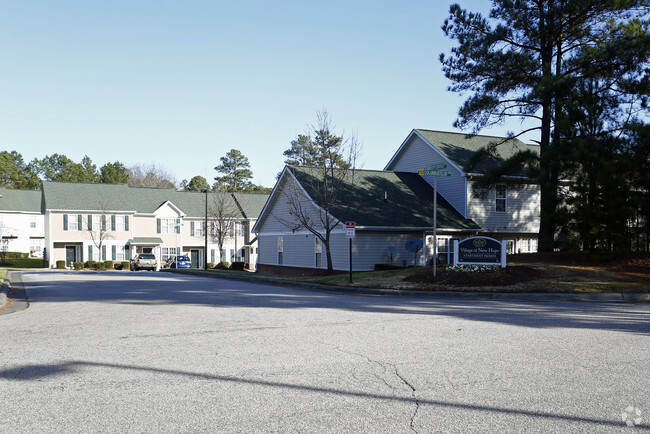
(205, 231)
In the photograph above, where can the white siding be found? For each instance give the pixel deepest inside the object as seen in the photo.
(19, 225)
(418, 154)
(522, 214)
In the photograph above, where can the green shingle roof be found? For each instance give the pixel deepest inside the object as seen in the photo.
(252, 204)
(459, 148)
(409, 203)
(20, 200)
(121, 197)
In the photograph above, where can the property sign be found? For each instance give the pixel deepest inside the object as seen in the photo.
(350, 229)
(481, 251)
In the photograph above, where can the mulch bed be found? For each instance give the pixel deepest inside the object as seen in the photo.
(510, 275)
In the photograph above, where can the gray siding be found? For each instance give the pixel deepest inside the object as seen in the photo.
(522, 214)
(300, 251)
(418, 154)
(369, 248)
(279, 210)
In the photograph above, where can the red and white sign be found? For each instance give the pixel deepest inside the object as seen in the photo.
(350, 229)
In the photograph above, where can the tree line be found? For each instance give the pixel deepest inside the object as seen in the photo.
(18, 174)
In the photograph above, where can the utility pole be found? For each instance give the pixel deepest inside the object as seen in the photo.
(205, 231)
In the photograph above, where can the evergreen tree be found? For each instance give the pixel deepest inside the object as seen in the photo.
(524, 61)
(57, 167)
(114, 173)
(14, 173)
(236, 172)
(198, 183)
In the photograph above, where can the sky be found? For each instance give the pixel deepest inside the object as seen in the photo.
(180, 83)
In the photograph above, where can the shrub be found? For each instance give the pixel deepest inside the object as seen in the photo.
(222, 266)
(90, 264)
(109, 265)
(381, 267)
(78, 265)
(100, 266)
(210, 265)
(462, 268)
(125, 265)
(60, 264)
(16, 255)
(237, 266)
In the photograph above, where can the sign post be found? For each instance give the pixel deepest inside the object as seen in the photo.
(435, 170)
(350, 232)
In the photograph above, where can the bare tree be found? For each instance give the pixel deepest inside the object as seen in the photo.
(97, 227)
(223, 212)
(311, 193)
(150, 175)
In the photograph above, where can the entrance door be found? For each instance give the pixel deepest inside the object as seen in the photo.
(70, 254)
(194, 257)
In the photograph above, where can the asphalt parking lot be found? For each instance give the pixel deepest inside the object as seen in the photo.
(159, 352)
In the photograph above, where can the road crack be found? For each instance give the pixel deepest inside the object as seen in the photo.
(415, 398)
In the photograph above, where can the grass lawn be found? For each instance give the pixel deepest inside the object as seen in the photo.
(548, 273)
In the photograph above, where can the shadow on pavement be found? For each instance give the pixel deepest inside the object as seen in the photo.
(150, 288)
(38, 372)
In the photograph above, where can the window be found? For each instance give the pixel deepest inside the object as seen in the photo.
(94, 222)
(443, 250)
(280, 250)
(35, 245)
(318, 250)
(501, 193)
(235, 229)
(526, 245)
(167, 252)
(170, 226)
(71, 222)
(198, 229)
(510, 247)
(120, 253)
(119, 223)
(32, 222)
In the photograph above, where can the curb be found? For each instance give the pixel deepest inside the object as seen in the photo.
(4, 299)
(12, 294)
(458, 295)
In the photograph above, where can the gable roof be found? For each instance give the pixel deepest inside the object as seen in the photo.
(121, 197)
(376, 198)
(20, 200)
(459, 148)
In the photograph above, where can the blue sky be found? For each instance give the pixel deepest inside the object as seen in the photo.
(179, 83)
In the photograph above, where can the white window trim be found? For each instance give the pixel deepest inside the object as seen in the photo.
(318, 249)
(504, 198)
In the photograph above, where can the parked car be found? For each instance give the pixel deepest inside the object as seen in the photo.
(180, 261)
(144, 261)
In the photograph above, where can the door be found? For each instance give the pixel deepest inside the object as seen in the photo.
(194, 257)
(70, 254)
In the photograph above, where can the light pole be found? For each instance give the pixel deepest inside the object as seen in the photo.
(205, 231)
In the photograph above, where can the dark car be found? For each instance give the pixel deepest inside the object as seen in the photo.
(144, 261)
(180, 261)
